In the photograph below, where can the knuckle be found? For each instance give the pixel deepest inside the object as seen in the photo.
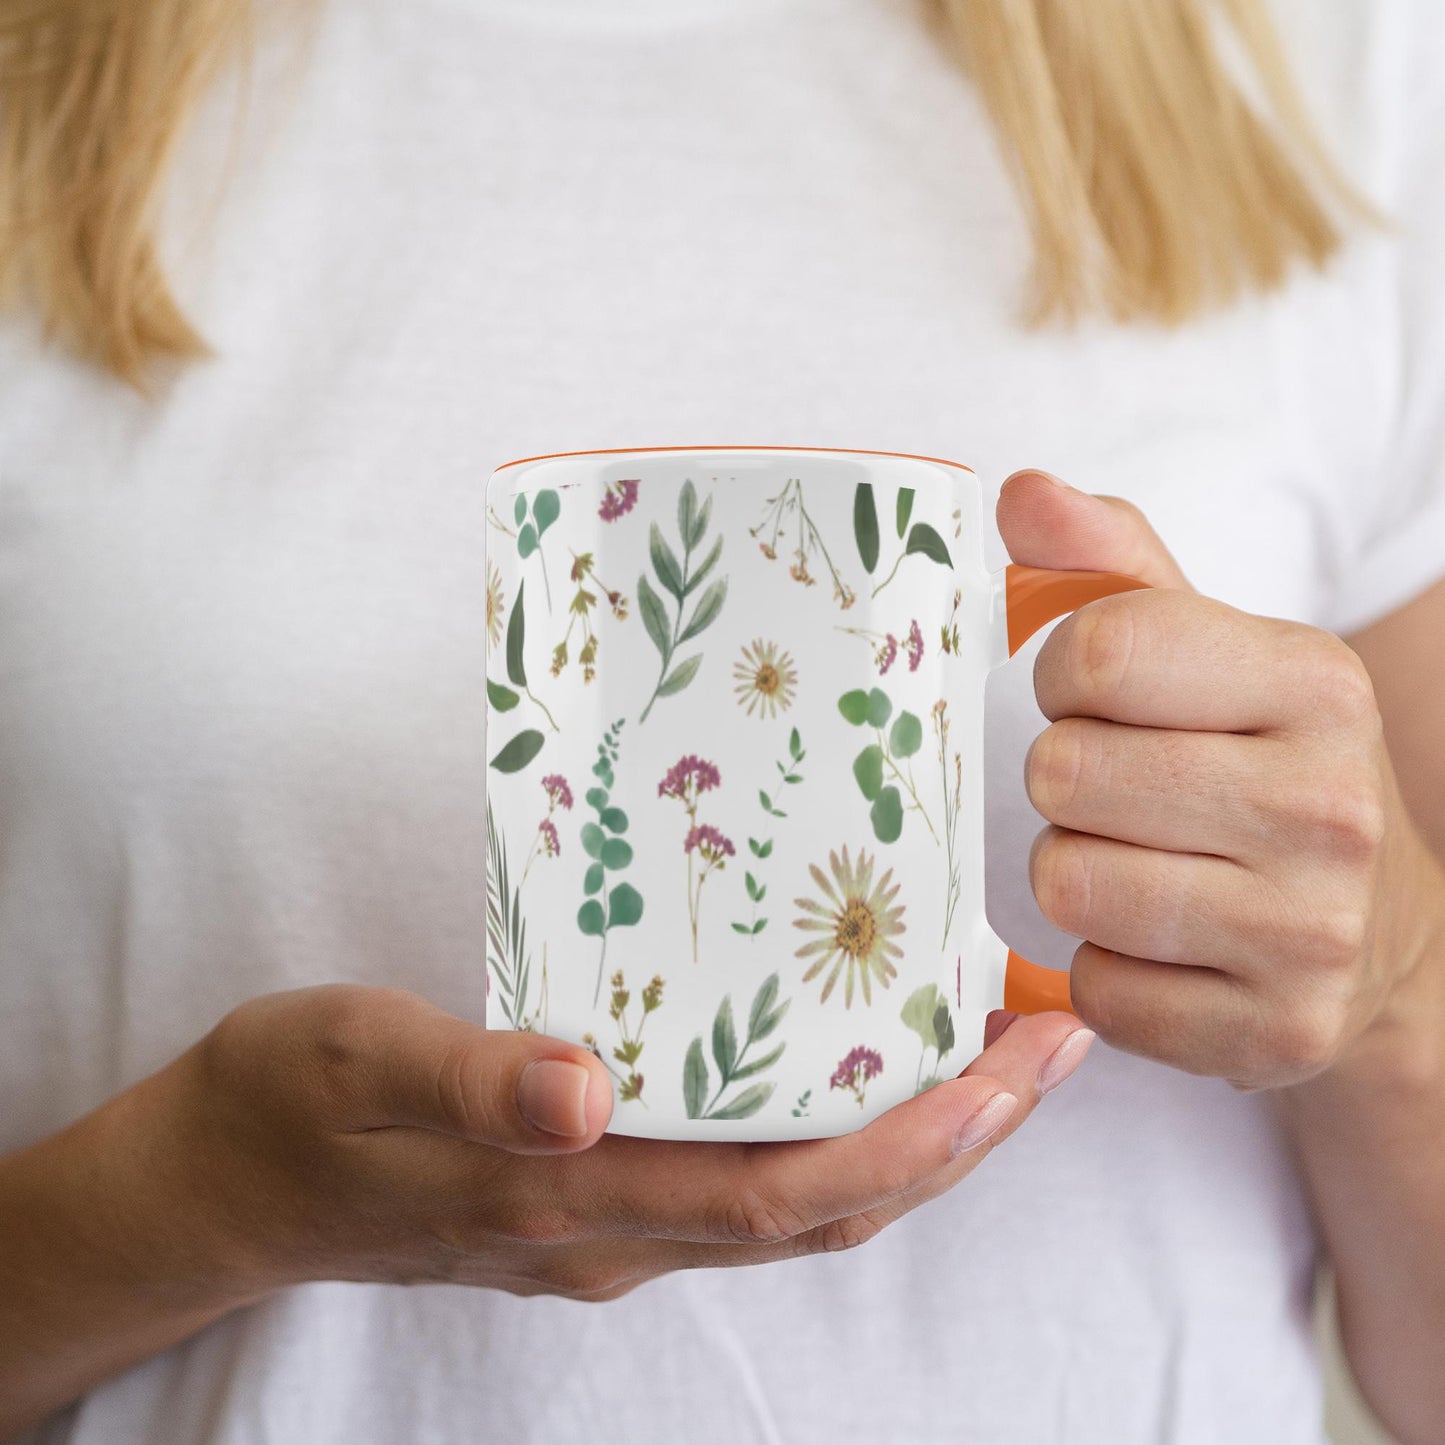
(1343, 818)
(525, 1222)
(1059, 873)
(1055, 768)
(1335, 937)
(1300, 1044)
(580, 1278)
(851, 1232)
(1101, 648)
(752, 1218)
(1342, 682)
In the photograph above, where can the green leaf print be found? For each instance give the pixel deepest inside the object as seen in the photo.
(679, 579)
(519, 752)
(904, 509)
(865, 525)
(763, 1017)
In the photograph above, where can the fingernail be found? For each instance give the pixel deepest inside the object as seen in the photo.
(996, 1025)
(984, 1122)
(1064, 1059)
(552, 1097)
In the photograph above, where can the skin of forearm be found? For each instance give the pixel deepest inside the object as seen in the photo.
(103, 1261)
(1369, 1135)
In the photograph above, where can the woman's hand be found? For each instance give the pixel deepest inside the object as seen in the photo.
(358, 1133)
(1226, 830)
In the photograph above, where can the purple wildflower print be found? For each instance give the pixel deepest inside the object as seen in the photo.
(887, 654)
(688, 777)
(706, 848)
(709, 842)
(619, 499)
(546, 843)
(915, 646)
(855, 1070)
(559, 794)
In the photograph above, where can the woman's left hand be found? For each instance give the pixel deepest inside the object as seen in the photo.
(1225, 826)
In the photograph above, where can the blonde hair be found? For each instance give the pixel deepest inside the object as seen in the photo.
(1154, 188)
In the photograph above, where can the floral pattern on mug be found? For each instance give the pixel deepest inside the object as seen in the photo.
(859, 923)
(766, 679)
(706, 847)
(855, 1070)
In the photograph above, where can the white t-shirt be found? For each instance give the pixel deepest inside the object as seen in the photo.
(241, 664)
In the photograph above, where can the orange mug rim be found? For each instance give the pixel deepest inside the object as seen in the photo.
(735, 447)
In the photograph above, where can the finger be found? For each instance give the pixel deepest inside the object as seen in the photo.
(1186, 792)
(1176, 660)
(1201, 1020)
(768, 1193)
(1046, 523)
(406, 1062)
(1030, 1058)
(1184, 908)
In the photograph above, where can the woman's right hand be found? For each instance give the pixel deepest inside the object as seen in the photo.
(345, 1132)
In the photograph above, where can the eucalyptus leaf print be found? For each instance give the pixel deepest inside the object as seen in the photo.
(877, 770)
(672, 626)
(533, 517)
(700, 1099)
(762, 848)
(788, 526)
(618, 906)
(857, 921)
(919, 540)
(926, 1012)
(628, 1050)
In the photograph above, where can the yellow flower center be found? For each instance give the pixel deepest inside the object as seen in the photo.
(767, 680)
(857, 929)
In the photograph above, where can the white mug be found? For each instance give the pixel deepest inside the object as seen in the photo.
(735, 787)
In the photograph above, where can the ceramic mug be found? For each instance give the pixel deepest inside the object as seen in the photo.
(734, 733)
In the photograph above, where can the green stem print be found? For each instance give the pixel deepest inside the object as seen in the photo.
(602, 841)
(579, 612)
(800, 1109)
(508, 957)
(950, 628)
(919, 540)
(629, 1049)
(881, 759)
(952, 807)
(525, 746)
(701, 1100)
(781, 512)
(533, 518)
(762, 848)
(926, 1012)
(680, 581)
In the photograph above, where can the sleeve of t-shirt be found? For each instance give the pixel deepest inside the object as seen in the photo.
(1401, 552)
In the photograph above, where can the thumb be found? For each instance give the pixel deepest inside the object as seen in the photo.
(1045, 523)
(523, 1092)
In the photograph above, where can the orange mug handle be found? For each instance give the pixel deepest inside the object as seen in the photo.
(1033, 597)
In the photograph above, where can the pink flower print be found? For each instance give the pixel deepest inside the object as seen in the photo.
(551, 845)
(915, 646)
(559, 794)
(710, 843)
(887, 654)
(855, 1070)
(619, 499)
(687, 777)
